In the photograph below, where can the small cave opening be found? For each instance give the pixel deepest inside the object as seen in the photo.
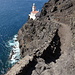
(27, 70)
(53, 51)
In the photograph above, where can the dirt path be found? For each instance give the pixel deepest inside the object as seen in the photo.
(65, 36)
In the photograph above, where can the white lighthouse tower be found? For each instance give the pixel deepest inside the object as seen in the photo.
(34, 13)
(33, 7)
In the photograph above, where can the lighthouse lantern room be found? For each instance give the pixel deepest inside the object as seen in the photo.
(34, 13)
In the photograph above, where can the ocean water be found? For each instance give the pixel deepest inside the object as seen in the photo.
(13, 14)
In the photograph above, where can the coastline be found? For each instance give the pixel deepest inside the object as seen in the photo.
(13, 16)
(44, 43)
(15, 51)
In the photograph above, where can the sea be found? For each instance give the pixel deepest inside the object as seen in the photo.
(13, 14)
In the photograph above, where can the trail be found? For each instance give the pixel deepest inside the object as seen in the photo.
(65, 35)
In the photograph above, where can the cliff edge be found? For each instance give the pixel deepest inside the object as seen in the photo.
(48, 43)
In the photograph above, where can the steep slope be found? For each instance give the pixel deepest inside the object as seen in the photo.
(48, 43)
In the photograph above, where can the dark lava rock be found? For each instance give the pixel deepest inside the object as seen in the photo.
(65, 5)
(54, 9)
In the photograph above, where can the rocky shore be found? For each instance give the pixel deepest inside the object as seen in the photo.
(48, 43)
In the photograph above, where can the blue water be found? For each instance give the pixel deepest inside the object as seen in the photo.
(13, 14)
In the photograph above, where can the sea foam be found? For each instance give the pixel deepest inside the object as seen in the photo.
(15, 50)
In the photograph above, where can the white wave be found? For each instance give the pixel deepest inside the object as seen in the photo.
(16, 36)
(15, 52)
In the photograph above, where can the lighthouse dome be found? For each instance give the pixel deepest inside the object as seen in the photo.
(34, 13)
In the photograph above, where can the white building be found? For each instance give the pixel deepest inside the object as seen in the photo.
(34, 13)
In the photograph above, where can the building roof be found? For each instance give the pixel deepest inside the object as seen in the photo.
(38, 14)
(34, 12)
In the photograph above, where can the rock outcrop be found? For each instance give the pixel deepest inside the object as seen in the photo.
(48, 43)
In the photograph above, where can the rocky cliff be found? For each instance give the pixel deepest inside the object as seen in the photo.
(48, 43)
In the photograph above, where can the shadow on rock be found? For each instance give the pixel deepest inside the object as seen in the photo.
(53, 51)
(27, 70)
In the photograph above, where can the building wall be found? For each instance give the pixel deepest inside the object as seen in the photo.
(32, 16)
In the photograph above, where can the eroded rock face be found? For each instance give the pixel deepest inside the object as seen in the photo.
(35, 35)
(50, 40)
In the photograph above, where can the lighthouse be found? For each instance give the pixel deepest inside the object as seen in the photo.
(34, 13)
(33, 7)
